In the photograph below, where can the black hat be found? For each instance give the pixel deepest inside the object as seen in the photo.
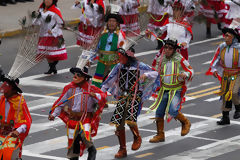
(129, 53)
(83, 72)
(172, 43)
(115, 16)
(232, 31)
(13, 82)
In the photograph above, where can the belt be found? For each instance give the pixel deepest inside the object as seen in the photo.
(172, 85)
(107, 52)
(231, 72)
(108, 62)
(76, 116)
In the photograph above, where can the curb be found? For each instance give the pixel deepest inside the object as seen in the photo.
(18, 31)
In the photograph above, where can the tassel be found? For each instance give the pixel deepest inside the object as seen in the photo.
(228, 96)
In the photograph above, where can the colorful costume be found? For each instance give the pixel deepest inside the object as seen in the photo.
(129, 14)
(158, 18)
(180, 30)
(227, 65)
(91, 21)
(123, 83)
(233, 13)
(213, 10)
(172, 91)
(14, 116)
(51, 44)
(80, 116)
(107, 50)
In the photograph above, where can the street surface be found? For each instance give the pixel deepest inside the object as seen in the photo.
(206, 141)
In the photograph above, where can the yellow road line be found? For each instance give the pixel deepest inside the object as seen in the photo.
(144, 155)
(196, 73)
(217, 115)
(55, 93)
(100, 148)
(205, 94)
(205, 90)
(217, 43)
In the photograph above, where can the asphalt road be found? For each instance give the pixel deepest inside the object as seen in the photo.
(206, 141)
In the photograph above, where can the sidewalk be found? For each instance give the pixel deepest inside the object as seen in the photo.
(10, 14)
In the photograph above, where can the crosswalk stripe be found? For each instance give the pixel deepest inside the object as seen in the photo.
(31, 154)
(209, 151)
(172, 135)
(200, 85)
(60, 142)
(212, 99)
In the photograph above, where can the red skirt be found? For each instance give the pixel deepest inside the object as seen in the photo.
(131, 25)
(52, 48)
(214, 10)
(86, 34)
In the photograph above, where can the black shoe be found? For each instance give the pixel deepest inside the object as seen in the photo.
(74, 158)
(92, 153)
(52, 68)
(208, 35)
(237, 112)
(20, 0)
(50, 71)
(11, 2)
(236, 115)
(219, 26)
(3, 4)
(225, 119)
(30, 0)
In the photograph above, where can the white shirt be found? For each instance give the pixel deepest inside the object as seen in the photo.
(92, 14)
(54, 25)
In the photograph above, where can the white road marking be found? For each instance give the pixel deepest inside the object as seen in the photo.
(208, 62)
(212, 99)
(208, 151)
(200, 85)
(202, 53)
(207, 40)
(31, 154)
(39, 95)
(46, 105)
(31, 79)
(103, 132)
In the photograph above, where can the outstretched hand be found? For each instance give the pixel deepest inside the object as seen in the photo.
(51, 117)
(143, 78)
(14, 134)
(215, 74)
(183, 76)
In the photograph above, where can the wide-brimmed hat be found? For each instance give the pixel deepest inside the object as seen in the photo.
(13, 82)
(115, 16)
(130, 52)
(173, 43)
(232, 31)
(82, 72)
